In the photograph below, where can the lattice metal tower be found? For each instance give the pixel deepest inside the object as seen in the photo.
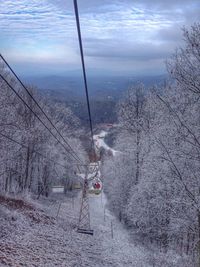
(84, 217)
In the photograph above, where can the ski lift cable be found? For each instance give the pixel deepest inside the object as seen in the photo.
(35, 151)
(84, 217)
(24, 102)
(38, 105)
(84, 72)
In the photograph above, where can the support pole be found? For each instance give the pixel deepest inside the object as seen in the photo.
(111, 225)
(58, 210)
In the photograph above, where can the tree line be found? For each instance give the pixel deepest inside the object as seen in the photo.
(153, 184)
(40, 161)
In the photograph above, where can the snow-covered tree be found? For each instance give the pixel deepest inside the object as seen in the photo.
(156, 184)
(31, 167)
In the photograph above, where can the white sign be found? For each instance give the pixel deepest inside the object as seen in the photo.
(58, 189)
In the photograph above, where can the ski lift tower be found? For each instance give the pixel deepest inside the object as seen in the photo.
(84, 217)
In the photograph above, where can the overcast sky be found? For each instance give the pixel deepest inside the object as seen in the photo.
(132, 37)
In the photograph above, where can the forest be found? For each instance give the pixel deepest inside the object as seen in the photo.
(32, 157)
(152, 183)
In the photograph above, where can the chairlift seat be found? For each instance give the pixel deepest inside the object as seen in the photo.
(85, 231)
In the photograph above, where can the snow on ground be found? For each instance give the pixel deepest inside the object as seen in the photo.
(100, 143)
(116, 249)
(31, 236)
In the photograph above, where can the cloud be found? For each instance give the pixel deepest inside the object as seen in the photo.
(108, 48)
(124, 31)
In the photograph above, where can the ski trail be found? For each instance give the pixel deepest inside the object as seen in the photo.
(101, 250)
(117, 250)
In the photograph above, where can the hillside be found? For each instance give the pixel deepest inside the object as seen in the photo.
(35, 237)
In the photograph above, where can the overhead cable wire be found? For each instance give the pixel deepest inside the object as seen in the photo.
(24, 102)
(38, 105)
(84, 70)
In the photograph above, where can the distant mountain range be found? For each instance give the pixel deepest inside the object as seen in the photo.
(104, 93)
(100, 88)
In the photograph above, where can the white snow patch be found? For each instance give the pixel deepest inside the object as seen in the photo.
(100, 143)
(118, 250)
